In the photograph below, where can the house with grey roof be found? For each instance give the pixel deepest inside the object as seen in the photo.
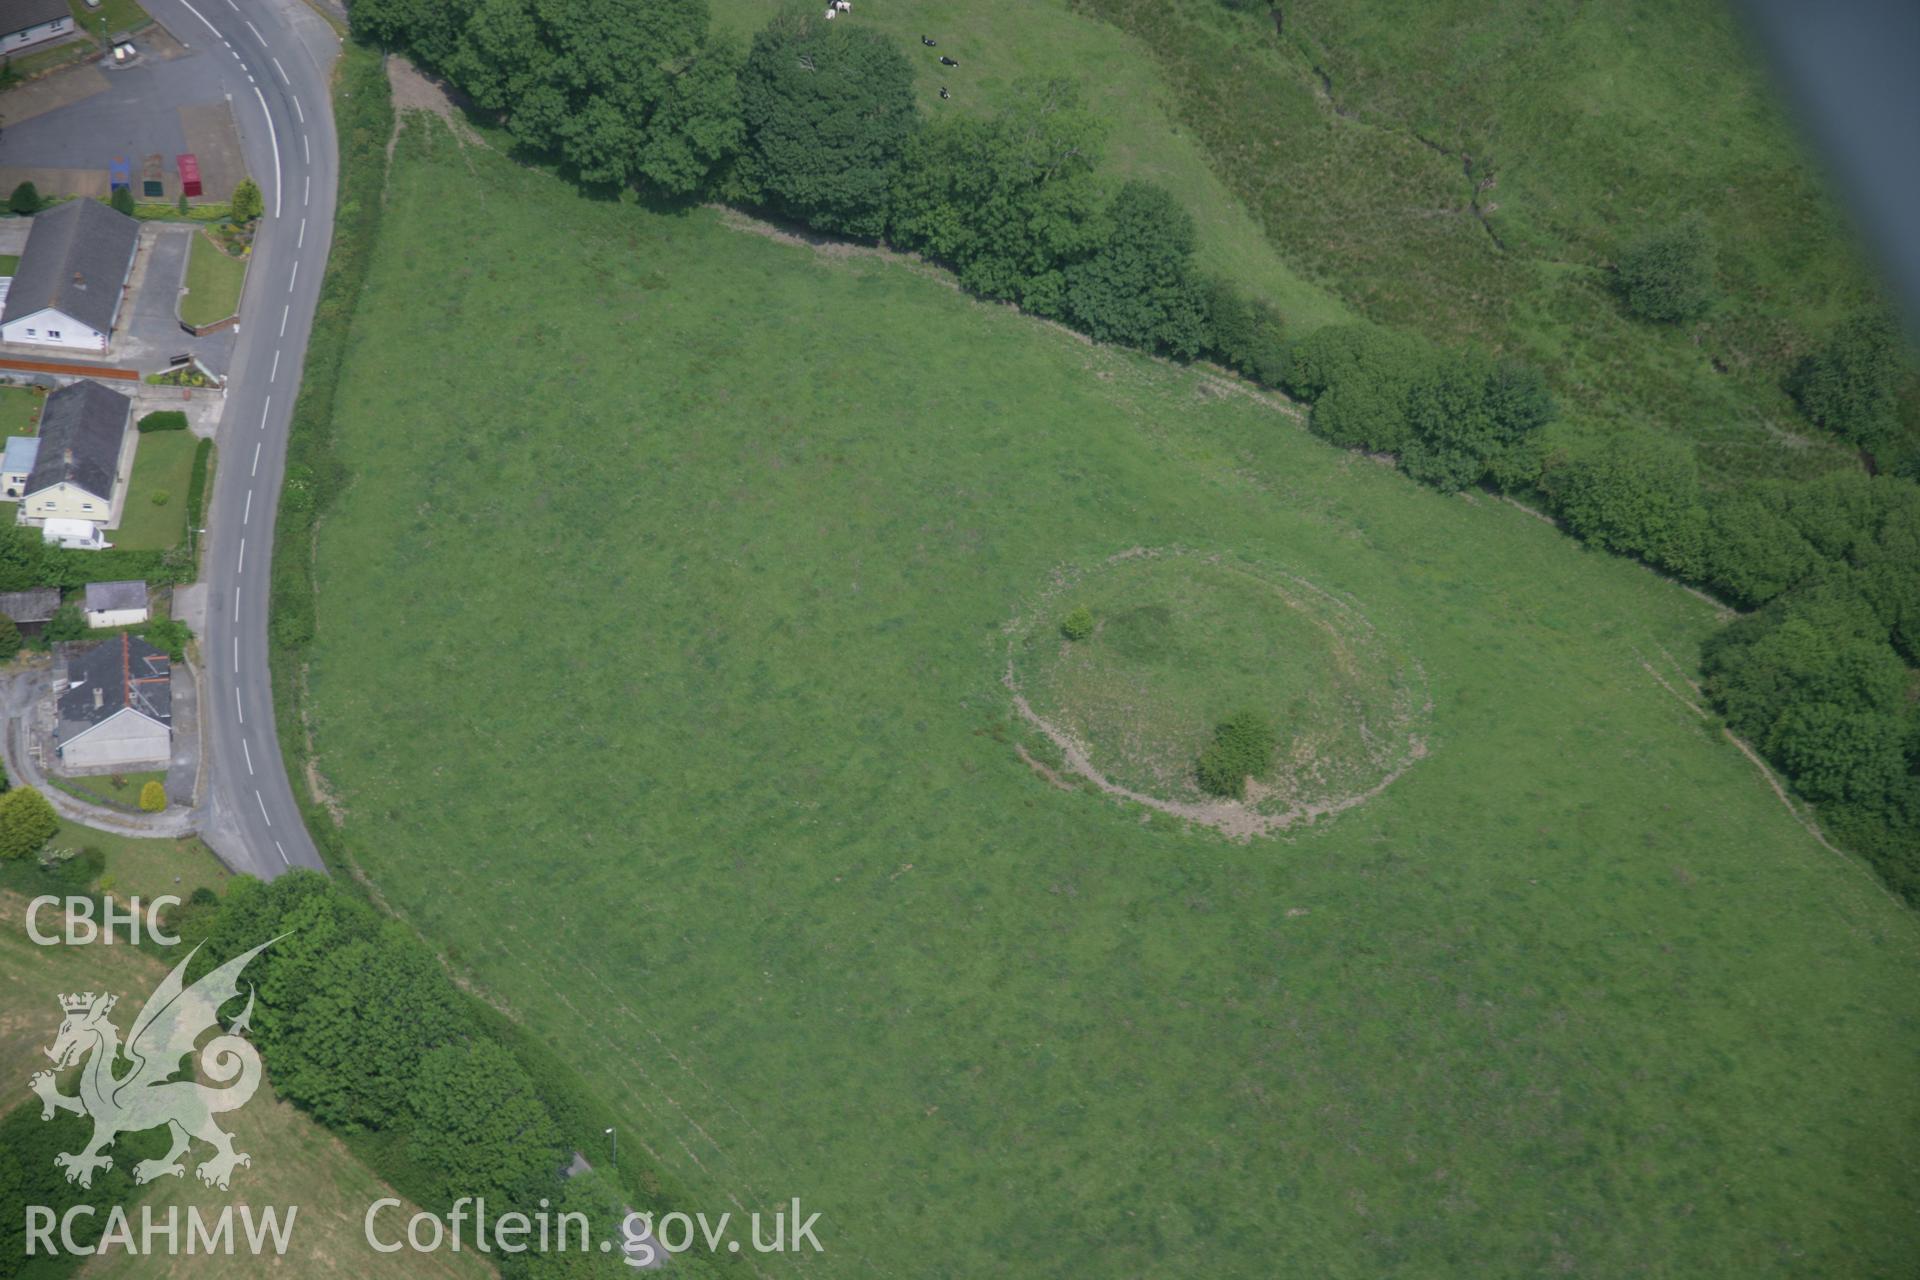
(85, 447)
(116, 604)
(24, 23)
(66, 292)
(115, 705)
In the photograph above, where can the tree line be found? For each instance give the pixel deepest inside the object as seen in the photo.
(818, 122)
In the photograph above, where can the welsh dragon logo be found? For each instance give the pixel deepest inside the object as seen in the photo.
(147, 1096)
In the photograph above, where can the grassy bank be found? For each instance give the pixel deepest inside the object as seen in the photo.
(736, 814)
(1472, 172)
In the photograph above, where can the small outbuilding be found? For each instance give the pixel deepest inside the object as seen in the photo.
(30, 610)
(116, 707)
(17, 465)
(116, 604)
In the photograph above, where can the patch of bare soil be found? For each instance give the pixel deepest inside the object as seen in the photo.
(415, 90)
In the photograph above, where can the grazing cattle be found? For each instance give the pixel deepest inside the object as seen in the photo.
(928, 41)
(832, 13)
(945, 61)
(944, 95)
(844, 6)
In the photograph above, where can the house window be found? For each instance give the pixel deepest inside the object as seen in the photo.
(86, 506)
(53, 333)
(58, 23)
(33, 333)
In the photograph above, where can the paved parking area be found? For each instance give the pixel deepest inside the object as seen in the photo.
(63, 129)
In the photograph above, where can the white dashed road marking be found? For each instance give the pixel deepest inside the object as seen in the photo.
(271, 375)
(284, 311)
(241, 715)
(269, 404)
(301, 243)
(293, 275)
(236, 653)
(283, 854)
(249, 750)
(256, 459)
(263, 808)
(256, 31)
(240, 566)
(248, 513)
(297, 111)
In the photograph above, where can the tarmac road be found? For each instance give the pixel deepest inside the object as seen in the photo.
(273, 59)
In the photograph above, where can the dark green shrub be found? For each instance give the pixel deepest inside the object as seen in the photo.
(163, 420)
(1851, 385)
(1242, 748)
(1667, 276)
(197, 482)
(1078, 624)
(25, 199)
(169, 634)
(9, 639)
(122, 200)
(66, 624)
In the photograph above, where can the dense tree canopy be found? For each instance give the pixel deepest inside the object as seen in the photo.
(828, 110)
(1138, 287)
(1006, 201)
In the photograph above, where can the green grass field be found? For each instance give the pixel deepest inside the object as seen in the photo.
(1350, 139)
(1000, 42)
(214, 281)
(162, 464)
(20, 411)
(659, 671)
(9, 263)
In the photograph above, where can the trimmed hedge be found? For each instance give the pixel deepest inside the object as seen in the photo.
(164, 420)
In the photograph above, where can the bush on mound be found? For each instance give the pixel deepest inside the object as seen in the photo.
(1077, 625)
(1242, 748)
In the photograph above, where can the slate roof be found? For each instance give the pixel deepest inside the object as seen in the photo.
(107, 597)
(77, 257)
(81, 429)
(18, 15)
(105, 679)
(30, 606)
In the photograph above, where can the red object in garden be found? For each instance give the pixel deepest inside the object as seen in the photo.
(189, 174)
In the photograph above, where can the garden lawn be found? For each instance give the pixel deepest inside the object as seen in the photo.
(214, 280)
(9, 263)
(661, 632)
(20, 411)
(120, 15)
(122, 789)
(163, 464)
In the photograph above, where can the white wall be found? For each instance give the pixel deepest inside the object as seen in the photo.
(74, 336)
(127, 738)
(115, 617)
(34, 35)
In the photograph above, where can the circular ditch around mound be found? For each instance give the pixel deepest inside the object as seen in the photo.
(1180, 641)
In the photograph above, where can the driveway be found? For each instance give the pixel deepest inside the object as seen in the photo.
(149, 333)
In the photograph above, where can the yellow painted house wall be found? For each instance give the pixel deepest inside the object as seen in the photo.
(66, 501)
